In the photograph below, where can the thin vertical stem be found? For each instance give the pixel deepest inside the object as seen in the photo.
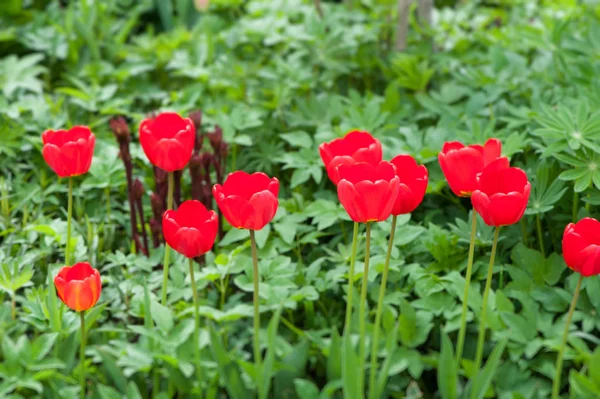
(382, 287)
(538, 222)
(561, 351)
(255, 278)
(362, 318)
(170, 186)
(82, 355)
(486, 294)
(465, 305)
(197, 321)
(69, 217)
(347, 327)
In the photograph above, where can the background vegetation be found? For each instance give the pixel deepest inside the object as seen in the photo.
(279, 79)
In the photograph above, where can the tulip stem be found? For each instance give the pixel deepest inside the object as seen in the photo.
(197, 321)
(538, 222)
(82, 355)
(382, 287)
(347, 328)
(561, 351)
(170, 185)
(255, 278)
(486, 294)
(69, 217)
(362, 319)
(465, 305)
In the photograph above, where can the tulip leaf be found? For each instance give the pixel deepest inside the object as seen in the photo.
(228, 370)
(447, 375)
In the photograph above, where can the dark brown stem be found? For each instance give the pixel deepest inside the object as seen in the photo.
(140, 208)
(177, 194)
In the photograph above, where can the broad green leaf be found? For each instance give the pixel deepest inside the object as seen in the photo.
(447, 373)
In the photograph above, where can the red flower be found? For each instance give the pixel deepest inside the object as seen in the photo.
(168, 140)
(502, 195)
(78, 286)
(248, 201)
(356, 146)
(69, 152)
(413, 184)
(191, 230)
(368, 192)
(581, 246)
(461, 164)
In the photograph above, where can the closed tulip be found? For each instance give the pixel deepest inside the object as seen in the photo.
(190, 230)
(581, 246)
(368, 192)
(502, 196)
(461, 164)
(413, 184)
(69, 152)
(248, 201)
(78, 286)
(168, 140)
(356, 146)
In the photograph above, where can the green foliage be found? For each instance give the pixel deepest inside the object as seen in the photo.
(279, 80)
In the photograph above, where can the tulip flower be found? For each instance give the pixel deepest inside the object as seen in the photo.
(190, 230)
(461, 164)
(248, 201)
(368, 193)
(69, 152)
(413, 184)
(581, 250)
(168, 140)
(79, 287)
(500, 199)
(356, 146)
(502, 196)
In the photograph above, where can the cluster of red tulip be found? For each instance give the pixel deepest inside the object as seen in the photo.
(369, 188)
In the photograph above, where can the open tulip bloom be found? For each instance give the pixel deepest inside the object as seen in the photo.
(356, 146)
(79, 287)
(581, 251)
(249, 201)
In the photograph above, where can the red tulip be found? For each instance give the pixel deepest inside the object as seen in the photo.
(356, 146)
(502, 195)
(190, 230)
(461, 164)
(78, 286)
(168, 140)
(413, 184)
(581, 246)
(69, 152)
(368, 192)
(248, 201)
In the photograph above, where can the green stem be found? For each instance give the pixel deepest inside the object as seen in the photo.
(82, 355)
(170, 185)
(465, 305)
(69, 217)
(362, 318)
(486, 294)
(255, 278)
(538, 222)
(197, 321)
(347, 328)
(561, 351)
(382, 287)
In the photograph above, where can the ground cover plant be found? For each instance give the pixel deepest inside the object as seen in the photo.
(282, 199)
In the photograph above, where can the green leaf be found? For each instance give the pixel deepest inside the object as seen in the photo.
(483, 380)
(447, 375)
(108, 392)
(112, 370)
(266, 373)
(306, 389)
(334, 360)
(298, 139)
(163, 316)
(42, 345)
(228, 370)
(594, 366)
(408, 323)
(349, 369)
